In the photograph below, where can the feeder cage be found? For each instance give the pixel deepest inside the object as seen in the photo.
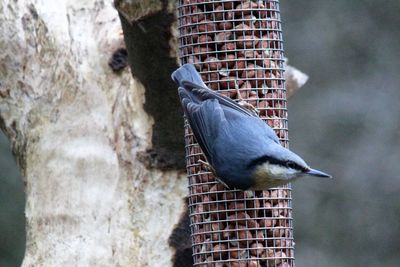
(237, 48)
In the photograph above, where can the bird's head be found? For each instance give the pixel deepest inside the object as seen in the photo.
(281, 166)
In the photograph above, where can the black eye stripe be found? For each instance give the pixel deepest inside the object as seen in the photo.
(292, 165)
(263, 159)
(285, 163)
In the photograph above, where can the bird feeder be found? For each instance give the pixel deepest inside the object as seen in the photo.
(237, 48)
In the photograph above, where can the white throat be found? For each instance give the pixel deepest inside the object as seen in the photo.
(273, 175)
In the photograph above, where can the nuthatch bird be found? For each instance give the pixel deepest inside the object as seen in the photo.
(242, 151)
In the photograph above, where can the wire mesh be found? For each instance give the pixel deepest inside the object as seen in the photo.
(237, 48)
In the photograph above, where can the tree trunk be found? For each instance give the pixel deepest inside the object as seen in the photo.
(81, 134)
(76, 128)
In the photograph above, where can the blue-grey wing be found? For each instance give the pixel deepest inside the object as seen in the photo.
(204, 94)
(206, 120)
(250, 125)
(192, 86)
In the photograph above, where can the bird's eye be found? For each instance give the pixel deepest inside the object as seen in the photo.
(291, 165)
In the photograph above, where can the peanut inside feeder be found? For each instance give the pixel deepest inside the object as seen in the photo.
(237, 48)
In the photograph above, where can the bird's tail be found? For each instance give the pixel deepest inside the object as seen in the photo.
(187, 73)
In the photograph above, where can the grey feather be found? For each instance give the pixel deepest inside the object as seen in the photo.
(234, 140)
(216, 121)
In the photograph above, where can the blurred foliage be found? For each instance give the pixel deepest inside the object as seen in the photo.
(345, 121)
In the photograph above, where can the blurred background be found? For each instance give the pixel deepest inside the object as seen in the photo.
(345, 121)
(12, 201)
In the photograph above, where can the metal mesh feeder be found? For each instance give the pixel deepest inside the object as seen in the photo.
(237, 48)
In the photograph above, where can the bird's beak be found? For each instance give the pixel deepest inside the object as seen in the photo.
(318, 173)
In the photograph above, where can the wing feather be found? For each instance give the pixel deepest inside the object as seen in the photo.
(202, 94)
(206, 119)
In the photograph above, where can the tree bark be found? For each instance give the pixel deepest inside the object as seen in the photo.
(76, 129)
(81, 133)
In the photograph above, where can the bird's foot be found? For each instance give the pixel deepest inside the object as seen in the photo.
(207, 166)
(222, 182)
(244, 104)
(248, 106)
(211, 169)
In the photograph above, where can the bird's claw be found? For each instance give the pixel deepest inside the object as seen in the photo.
(207, 166)
(211, 169)
(244, 104)
(248, 106)
(222, 182)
